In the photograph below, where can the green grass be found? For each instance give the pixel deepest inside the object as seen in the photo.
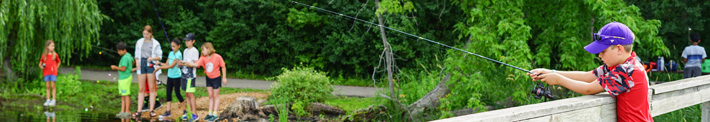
(664, 76)
(688, 114)
(351, 104)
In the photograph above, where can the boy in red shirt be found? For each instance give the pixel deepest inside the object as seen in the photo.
(49, 63)
(622, 74)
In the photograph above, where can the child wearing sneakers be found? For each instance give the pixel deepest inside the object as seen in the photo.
(174, 75)
(212, 63)
(190, 55)
(622, 74)
(124, 79)
(49, 63)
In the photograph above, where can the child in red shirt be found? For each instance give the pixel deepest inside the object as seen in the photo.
(49, 63)
(622, 74)
(212, 63)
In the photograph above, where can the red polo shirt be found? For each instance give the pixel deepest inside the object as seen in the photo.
(628, 83)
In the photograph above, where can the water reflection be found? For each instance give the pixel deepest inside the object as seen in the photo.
(32, 114)
(50, 115)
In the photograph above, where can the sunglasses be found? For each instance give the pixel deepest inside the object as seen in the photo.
(599, 37)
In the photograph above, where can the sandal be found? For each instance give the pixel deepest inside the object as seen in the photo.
(152, 114)
(137, 114)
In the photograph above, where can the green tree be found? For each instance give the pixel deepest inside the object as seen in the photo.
(677, 16)
(26, 24)
(526, 34)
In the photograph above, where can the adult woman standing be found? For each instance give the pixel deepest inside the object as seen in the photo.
(147, 51)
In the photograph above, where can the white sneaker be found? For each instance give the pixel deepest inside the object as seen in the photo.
(46, 103)
(52, 103)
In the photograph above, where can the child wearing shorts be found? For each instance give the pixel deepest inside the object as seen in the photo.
(190, 55)
(124, 79)
(212, 63)
(49, 63)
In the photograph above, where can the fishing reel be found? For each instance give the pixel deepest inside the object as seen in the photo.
(541, 91)
(153, 64)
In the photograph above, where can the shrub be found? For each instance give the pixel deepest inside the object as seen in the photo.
(302, 85)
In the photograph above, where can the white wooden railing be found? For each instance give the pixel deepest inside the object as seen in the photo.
(664, 98)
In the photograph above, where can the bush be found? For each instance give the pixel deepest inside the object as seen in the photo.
(301, 86)
(69, 85)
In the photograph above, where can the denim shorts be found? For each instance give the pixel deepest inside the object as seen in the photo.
(50, 78)
(145, 66)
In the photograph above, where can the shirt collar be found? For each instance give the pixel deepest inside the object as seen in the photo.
(630, 60)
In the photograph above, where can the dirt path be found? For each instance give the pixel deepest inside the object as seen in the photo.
(93, 75)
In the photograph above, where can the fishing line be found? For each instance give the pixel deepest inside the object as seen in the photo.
(419, 37)
(160, 21)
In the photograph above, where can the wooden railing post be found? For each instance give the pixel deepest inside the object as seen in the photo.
(706, 112)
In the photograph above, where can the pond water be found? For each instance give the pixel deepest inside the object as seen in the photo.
(30, 109)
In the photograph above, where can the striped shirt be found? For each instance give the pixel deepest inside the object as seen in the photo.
(695, 54)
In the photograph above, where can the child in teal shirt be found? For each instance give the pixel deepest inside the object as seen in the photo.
(174, 74)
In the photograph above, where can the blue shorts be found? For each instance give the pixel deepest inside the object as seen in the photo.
(50, 78)
(145, 66)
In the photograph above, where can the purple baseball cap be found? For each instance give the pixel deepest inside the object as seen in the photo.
(613, 33)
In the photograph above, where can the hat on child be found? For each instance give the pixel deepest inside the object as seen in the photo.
(189, 36)
(613, 33)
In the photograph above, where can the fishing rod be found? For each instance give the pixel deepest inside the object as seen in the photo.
(160, 21)
(539, 90)
(412, 35)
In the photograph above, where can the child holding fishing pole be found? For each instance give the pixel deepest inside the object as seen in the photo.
(621, 75)
(212, 63)
(174, 75)
(190, 55)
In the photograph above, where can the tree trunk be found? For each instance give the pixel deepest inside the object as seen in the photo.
(326, 109)
(388, 52)
(252, 109)
(432, 99)
(7, 69)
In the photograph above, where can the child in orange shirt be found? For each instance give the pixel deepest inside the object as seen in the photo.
(212, 63)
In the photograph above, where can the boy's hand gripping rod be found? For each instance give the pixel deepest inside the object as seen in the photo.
(419, 37)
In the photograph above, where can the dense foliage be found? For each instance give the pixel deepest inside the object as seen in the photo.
(528, 34)
(264, 36)
(677, 16)
(26, 24)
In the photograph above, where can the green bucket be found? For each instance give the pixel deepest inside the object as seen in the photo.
(706, 66)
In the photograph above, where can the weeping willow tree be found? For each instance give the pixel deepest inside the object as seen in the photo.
(73, 25)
